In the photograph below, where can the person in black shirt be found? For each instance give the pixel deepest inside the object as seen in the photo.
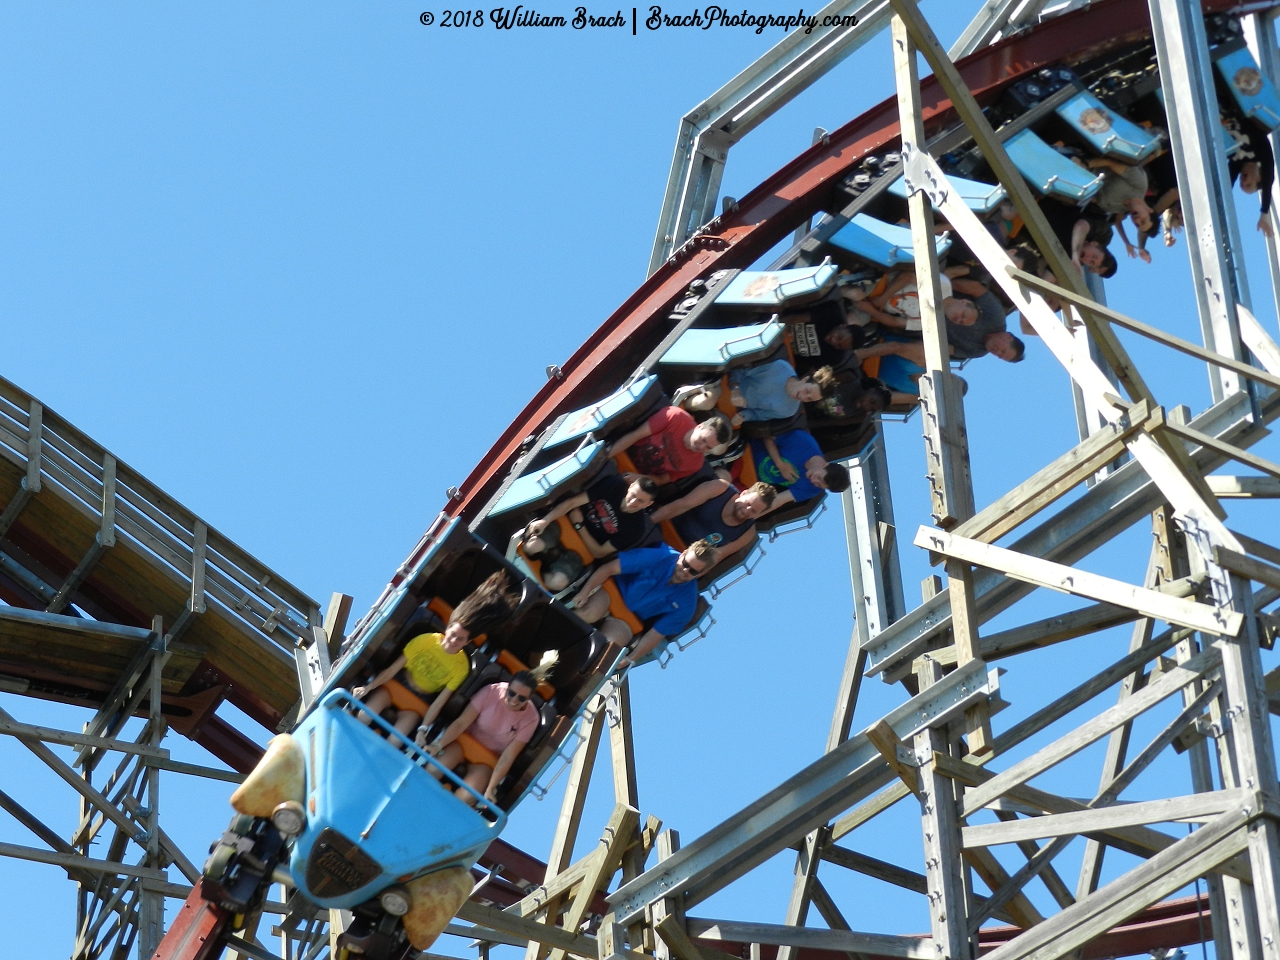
(1084, 234)
(720, 513)
(610, 515)
(1253, 163)
(821, 336)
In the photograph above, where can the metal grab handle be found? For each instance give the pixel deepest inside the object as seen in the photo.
(748, 568)
(803, 523)
(768, 331)
(607, 690)
(704, 627)
(1263, 108)
(420, 757)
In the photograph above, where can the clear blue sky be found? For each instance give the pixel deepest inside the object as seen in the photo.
(300, 264)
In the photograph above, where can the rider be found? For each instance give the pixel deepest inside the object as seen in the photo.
(490, 733)
(433, 665)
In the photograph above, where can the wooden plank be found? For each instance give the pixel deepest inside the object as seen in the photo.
(1082, 694)
(1226, 449)
(678, 942)
(31, 481)
(1194, 808)
(67, 738)
(1051, 483)
(1149, 882)
(1247, 566)
(618, 835)
(1019, 907)
(1257, 339)
(872, 867)
(1043, 633)
(1039, 863)
(1091, 730)
(575, 797)
(76, 862)
(885, 740)
(82, 626)
(198, 770)
(335, 622)
(1153, 333)
(580, 945)
(869, 809)
(946, 446)
(1244, 487)
(1140, 841)
(35, 439)
(1259, 549)
(1064, 579)
(882, 944)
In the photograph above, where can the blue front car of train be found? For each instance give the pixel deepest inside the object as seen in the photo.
(375, 815)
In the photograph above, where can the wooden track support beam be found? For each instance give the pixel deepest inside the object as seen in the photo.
(31, 481)
(1057, 576)
(618, 835)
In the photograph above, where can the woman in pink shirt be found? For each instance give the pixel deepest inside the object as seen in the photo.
(489, 735)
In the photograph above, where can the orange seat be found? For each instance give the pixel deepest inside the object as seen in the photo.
(569, 539)
(670, 535)
(619, 609)
(748, 475)
(473, 751)
(444, 611)
(725, 404)
(625, 463)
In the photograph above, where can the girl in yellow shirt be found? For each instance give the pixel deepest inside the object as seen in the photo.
(433, 665)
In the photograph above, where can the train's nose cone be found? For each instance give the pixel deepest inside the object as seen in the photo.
(436, 898)
(279, 776)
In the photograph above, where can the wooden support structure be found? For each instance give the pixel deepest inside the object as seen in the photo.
(227, 616)
(1195, 582)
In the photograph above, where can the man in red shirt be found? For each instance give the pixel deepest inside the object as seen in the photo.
(671, 445)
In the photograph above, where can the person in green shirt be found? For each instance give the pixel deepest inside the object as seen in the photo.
(433, 665)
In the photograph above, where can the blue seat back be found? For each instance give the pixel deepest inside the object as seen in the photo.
(1110, 134)
(380, 797)
(599, 417)
(886, 244)
(1255, 94)
(981, 198)
(721, 348)
(776, 289)
(546, 482)
(1049, 171)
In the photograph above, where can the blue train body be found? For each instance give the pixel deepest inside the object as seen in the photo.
(375, 815)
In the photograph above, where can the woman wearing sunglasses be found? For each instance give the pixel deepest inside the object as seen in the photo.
(485, 740)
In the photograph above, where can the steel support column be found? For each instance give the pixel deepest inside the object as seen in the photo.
(1260, 34)
(711, 128)
(1213, 236)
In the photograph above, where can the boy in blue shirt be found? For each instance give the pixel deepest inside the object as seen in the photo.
(779, 461)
